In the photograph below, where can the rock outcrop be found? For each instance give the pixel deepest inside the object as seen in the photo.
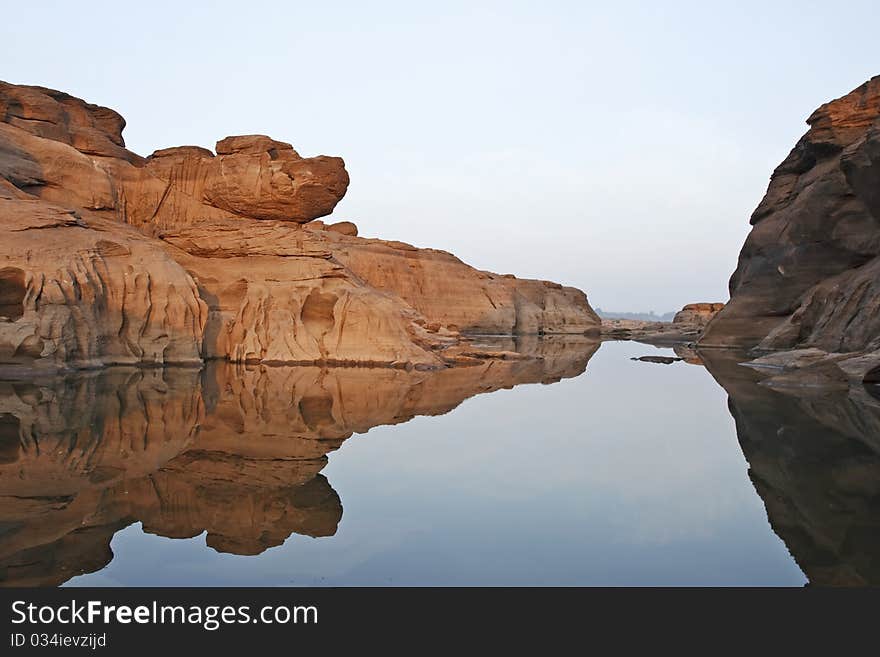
(188, 254)
(808, 275)
(232, 450)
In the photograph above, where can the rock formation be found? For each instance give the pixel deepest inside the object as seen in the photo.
(808, 275)
(232, 450)
(697, 314)
(186, 255)
(686, 326)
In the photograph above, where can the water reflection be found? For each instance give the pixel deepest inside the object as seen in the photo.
(232, 451)
(814, 458)
(236, 453)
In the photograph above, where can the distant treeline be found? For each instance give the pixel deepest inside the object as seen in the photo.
(647, 317)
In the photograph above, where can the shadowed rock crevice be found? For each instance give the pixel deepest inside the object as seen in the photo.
(10, 444)
(317, 312)
(12, 293)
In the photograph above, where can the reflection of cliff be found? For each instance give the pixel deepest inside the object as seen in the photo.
(232, 451)
(814, 458)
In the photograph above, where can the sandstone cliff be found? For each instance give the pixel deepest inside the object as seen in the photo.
(809, 273)
(188, 254)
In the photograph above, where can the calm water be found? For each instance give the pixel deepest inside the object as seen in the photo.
(584, 468)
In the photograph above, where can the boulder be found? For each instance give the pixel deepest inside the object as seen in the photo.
(697, 314)
(256, 177)
(344, 228)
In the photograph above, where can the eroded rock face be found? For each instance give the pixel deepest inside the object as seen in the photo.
(79, 293)
(449, 292)
(220, 264)
(809, 273)
(232, 450)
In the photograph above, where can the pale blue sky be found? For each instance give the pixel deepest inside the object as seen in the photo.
(619, 147)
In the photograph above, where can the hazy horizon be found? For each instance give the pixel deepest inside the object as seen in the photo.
(619, 149)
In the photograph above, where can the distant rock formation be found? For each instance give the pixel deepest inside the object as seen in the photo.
(187, 255)
(697, 314)
(687, 325)
(809, 273)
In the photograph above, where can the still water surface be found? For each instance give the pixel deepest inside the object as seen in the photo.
(584, 468)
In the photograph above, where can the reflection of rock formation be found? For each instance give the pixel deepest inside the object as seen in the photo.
(814, 458)
(234, 451)
(65, 444)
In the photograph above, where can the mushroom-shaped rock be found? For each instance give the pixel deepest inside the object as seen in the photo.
(258, 177)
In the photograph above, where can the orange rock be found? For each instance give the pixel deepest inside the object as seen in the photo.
(697, 314)
(256, 177)
(221, 266)
(344, 228)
